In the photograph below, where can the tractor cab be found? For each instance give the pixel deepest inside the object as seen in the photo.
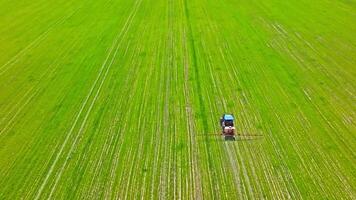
(227, 126)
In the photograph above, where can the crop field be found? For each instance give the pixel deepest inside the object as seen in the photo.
(121, 99)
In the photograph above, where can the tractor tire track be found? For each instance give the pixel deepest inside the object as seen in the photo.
(32, 92)
(101, 73)
(195, 175)
(34, 43)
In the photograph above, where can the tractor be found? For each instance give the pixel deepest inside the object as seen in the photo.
(227, 126)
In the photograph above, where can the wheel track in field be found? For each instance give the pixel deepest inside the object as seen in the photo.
(162, 175)
(129, 189)
(299, 151)
(122, 130)
(124, 183)
(53, 154)
(133, 155)
(254, 189)
(85, 117)
(172, 172)
(284, 44)
(279, 153)
(112, 178)
(280, 187)
(244, 146)
(251, 187)
(50, 72)
(91, 106)
(133, 70)
(118, 142)
(116, 44)
(75, 122)
(285, 182)
(328, 58)
(210, 99)
(128, 155)
(97, 187)
(35, 42)
(143, 109)
(331, 166)
(137, 152)
(212, 178)
(302, 153)
(152, 138)
(156, 143)
(166, 138)
(130, 106)
(224, 148)
(227, 59)
(234, 165)
(288, 186)
(31, 93)
(166, 131)
(231, 149)
(115, 161)
(329, 161)
(219, 92)
(195, 176)
(159, 135)
(172, 63)
(308, 92)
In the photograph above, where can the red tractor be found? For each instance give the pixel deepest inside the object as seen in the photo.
(227, 126)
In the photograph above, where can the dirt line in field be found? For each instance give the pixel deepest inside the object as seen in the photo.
(35, 42)
(112, 53)
(119, 119)
(154, 114)
(193, 148)
(202, 111)
(74, 124)
(51, 71)
(118, 41)
(164, 176)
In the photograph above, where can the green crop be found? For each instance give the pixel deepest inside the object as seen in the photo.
(115, 99)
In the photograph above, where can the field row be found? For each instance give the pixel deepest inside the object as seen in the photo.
(121, 99)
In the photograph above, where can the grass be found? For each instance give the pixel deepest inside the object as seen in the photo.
(121, 99)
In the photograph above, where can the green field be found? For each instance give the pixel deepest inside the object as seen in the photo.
(120, 99)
